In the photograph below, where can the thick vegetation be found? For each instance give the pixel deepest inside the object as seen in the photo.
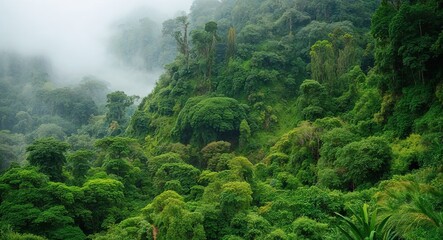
(278, 119)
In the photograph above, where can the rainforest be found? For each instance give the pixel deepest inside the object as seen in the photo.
(268, 120)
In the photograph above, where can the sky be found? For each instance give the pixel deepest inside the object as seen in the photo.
(73, 35)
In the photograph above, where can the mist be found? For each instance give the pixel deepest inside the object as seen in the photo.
(74, 36)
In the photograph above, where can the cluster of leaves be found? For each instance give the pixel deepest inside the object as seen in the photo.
(205, 120)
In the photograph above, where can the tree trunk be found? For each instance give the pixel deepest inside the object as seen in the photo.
(154, 232)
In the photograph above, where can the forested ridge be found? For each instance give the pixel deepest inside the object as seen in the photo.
(273, 119)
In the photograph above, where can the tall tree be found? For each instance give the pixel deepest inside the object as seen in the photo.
(408, 42)
(49, 155)
(178, 28)
(79, 163)
(347, 56)
(204, 46)
(172, 220)
(117, 103)
(182, 37)
(230, 51)
(104, 199)
(323, 63)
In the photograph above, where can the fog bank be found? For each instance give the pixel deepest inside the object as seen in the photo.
(74, 35)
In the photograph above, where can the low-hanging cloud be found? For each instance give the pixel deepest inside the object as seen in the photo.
(73, 34)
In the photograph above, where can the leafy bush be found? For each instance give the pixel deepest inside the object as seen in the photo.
(306, 228)
(414, 102)
(312, 100)
(204, 120)
(184, 173)
(365, 161)
(235, 197)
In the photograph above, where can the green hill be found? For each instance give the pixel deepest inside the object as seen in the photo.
(278, 119)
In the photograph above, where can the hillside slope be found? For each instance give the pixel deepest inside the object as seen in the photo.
(278, 119)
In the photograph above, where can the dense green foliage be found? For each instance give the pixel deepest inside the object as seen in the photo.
(210, 119)
(288, 119)
(48, 155)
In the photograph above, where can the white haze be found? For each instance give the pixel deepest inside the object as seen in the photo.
(73, 34)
